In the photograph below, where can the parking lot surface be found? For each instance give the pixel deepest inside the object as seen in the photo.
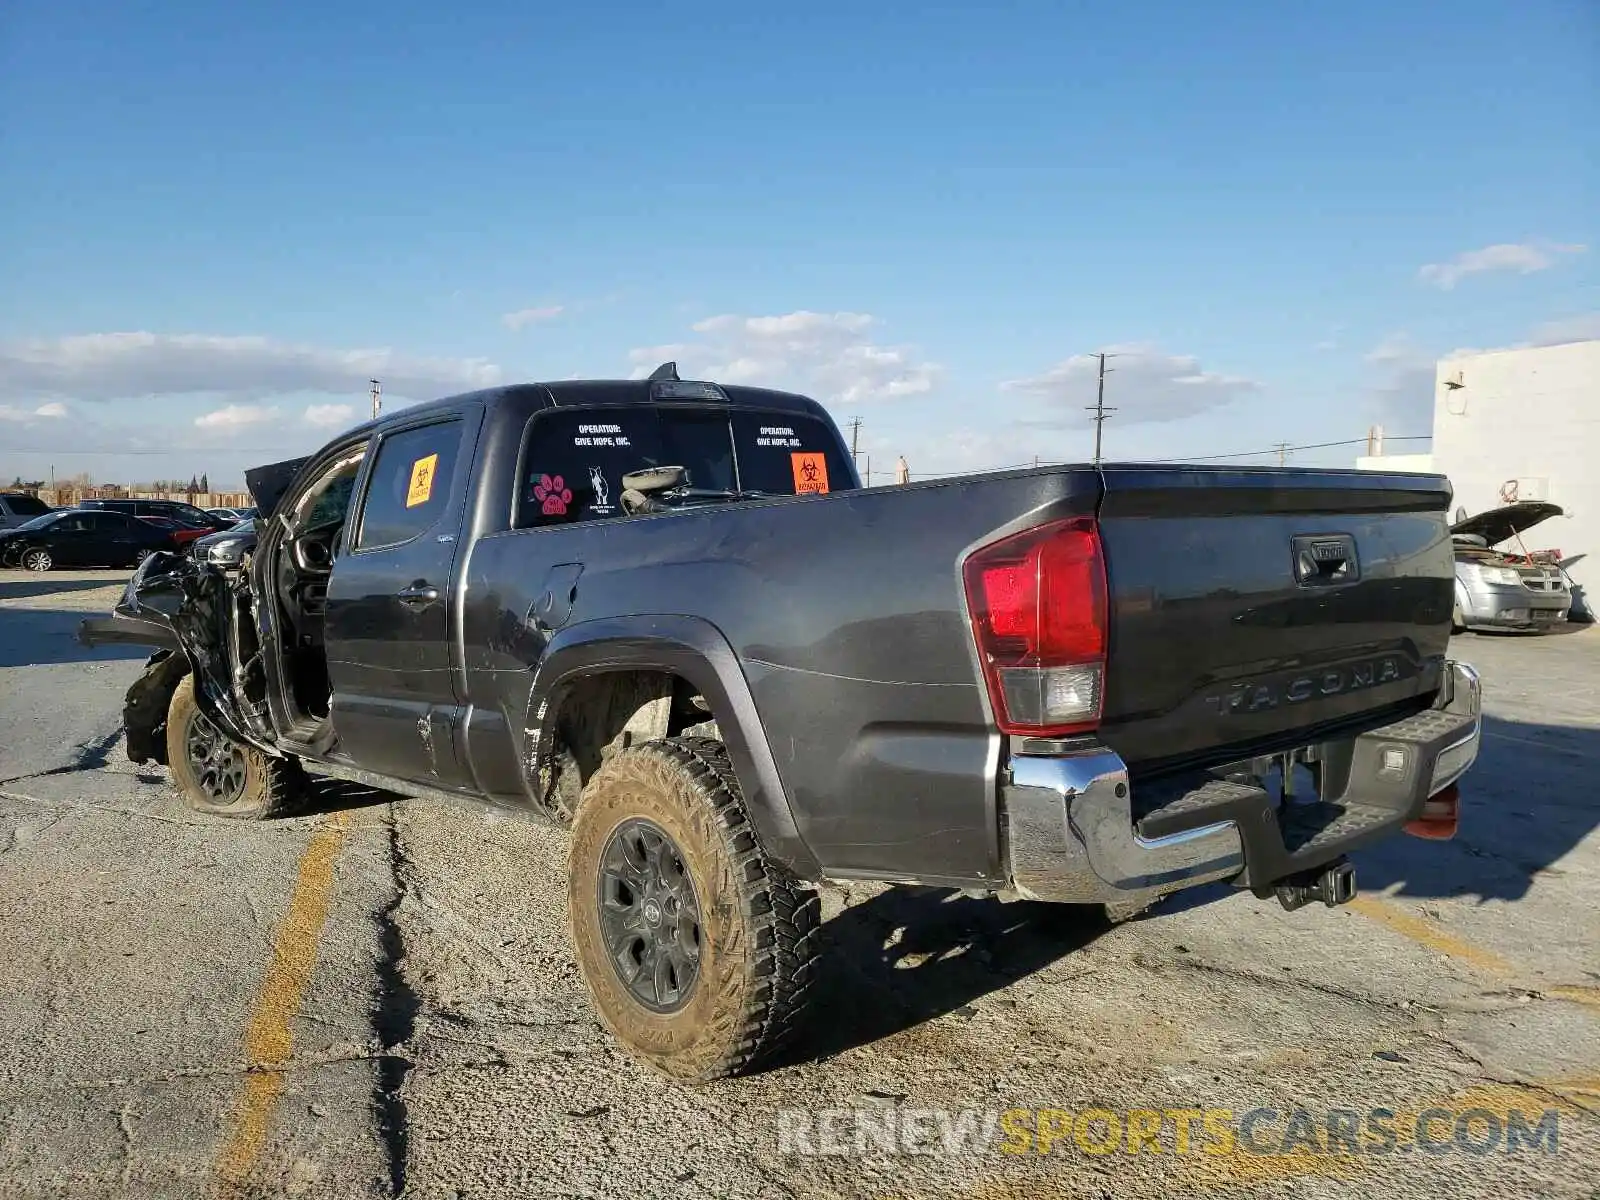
(376, 998)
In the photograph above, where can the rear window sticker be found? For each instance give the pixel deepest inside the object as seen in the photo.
(600, 435)
(810, 473)
(553, 495)
(777, 435)
(602, 494)
(422, 473)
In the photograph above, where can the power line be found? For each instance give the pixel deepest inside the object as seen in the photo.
(1280, 447)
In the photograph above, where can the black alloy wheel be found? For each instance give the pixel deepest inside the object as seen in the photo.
(650, 915)
(217, 762)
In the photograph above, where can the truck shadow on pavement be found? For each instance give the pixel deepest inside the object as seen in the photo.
(31, 584)
(46, 637)
(910, 954)
(1525, 805)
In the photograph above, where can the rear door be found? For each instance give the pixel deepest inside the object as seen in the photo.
(390, 621)
(1249, 606)
(115, 540)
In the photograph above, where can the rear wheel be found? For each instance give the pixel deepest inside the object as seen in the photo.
(37, 559)
(218, 775)
(698, 951)
(140, 555)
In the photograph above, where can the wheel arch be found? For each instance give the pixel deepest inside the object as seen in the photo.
(655, 653)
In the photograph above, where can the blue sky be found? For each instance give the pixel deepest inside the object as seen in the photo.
(217, 221)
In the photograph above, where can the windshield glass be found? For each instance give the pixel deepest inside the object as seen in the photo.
(42, 522)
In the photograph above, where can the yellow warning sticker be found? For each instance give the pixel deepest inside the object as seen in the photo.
(421, 488)
(810, 473)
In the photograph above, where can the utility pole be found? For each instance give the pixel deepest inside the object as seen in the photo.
(1283, 452)
(855, 435)
(377, 398)
(1100, 411)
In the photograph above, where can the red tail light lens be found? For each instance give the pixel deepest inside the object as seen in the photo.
(1038, 605)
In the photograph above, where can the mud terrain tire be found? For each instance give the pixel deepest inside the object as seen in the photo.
(754, 943)
(219, 776)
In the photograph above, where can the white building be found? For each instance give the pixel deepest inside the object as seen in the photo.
(1525, 425)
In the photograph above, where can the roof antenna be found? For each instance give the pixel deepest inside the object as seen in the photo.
(667, 370)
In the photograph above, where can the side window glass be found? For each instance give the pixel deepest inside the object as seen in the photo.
(575, 460)
(410, 485)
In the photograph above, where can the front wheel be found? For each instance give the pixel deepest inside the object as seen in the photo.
(698, 951)
(218, 775)
(37, 559)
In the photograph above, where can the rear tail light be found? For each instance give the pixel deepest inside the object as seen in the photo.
(1038, 606)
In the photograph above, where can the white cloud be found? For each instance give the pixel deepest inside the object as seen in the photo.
(524, 317)
(235, 417)
(54, 410)
(330, 416)
(1522, 257)
(828, 355)
(1142, 384)
(1569, 329)
(1402, 387)
(111, 366)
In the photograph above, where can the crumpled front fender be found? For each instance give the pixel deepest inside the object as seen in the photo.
(178, 603)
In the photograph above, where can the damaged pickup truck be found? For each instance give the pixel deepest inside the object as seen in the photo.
(666, 614)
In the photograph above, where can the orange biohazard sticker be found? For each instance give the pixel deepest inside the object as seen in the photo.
(421, 488)
(810, 473)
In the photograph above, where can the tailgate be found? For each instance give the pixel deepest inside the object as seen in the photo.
(1253, 609)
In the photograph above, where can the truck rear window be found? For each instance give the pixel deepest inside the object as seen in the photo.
(26, 506)
(576, 458)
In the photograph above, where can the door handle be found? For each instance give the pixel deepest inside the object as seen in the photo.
(418, 595)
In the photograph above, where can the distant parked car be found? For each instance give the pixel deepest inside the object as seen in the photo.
(228, 548)
(233, 515)
(173, 510)
(181, 535)
(19, 507)
(81, 538)
(1502, 589)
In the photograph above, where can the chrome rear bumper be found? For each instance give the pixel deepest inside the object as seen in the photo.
(1072, 833)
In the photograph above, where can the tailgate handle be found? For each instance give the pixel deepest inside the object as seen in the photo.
(1324, 559)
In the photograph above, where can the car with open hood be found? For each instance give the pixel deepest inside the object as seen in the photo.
(666, 615)
(1508, 587)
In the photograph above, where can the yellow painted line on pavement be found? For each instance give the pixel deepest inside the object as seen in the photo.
(269, 1040)
(1426, 933)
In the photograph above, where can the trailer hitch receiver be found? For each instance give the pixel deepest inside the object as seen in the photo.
(1332, 884)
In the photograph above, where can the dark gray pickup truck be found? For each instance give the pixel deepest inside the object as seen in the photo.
(666, 613)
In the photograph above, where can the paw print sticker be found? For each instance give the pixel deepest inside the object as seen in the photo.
(553, 495)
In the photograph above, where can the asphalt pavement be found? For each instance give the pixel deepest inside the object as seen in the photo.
(375, 997)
